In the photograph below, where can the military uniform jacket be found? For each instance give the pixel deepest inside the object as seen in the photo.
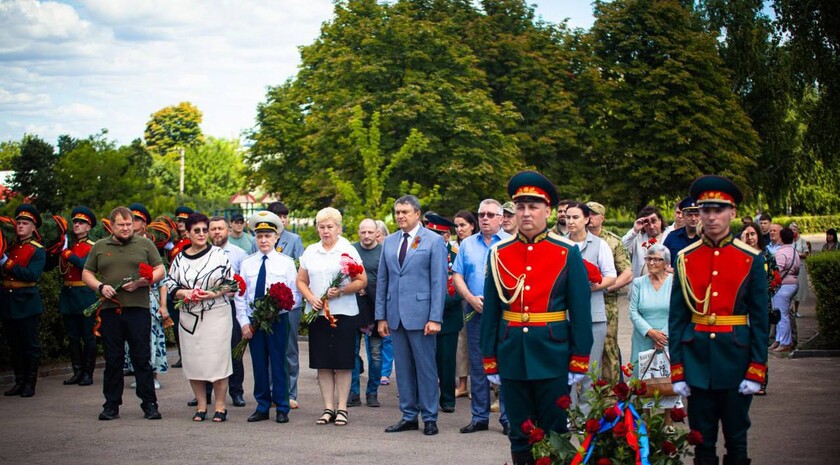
(453, 312)
(21, 272)
(728, 283)
(75, 295)
(553, 279)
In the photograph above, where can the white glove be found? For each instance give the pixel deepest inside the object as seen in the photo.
(494, 379)
(66, 244)
(748, 387)
(169, 246)
(575, 378)
(681, 388)
(4, 259)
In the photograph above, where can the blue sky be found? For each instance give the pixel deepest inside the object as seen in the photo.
(74, 67)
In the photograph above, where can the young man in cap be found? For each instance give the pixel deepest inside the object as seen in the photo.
(268, 350)
(536, 326)
(20, 303)
(681, 238)
(76, 296)
(509, 218)
(718, 325)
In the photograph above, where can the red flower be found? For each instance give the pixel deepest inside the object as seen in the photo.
(601, 383)
(592, 425)
(563, 401)
(694, 438)
(678, 414)
(621, 390)
(652, 241)
(627, 369)
(610, 414)
(669, 448)
(528, 426)
(593, 272)
(146, 272)
(241, 283)
(620, 429)
(641, 389)
(350, 267)
(603, 461)
(536, 435)
(543, 461)
(281, 295)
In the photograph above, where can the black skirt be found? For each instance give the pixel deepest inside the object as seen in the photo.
(332, 348)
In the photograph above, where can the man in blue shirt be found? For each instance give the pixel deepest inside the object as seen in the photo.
(685, 236)
(468, 276)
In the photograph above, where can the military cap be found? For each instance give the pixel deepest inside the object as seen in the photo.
(509, 207)
(532, 185)
(715, 191)
(438, 223)
(688, 204)
(597, 208)
(82, 213)
(182, 212)
(139, 211)
(27, 211)
(265, 221)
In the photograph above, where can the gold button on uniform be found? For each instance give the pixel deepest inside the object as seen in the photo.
(712, 319)
(526, 308)
(714, 294)
(717, 252)
(527, 288)
(714, 273)
(530, 247)
(528, 268)
(525, 329)
(712, 336)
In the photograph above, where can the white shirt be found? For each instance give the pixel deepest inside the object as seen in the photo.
(411, 235)
(278, 268)
(322, 265)
(235, 255)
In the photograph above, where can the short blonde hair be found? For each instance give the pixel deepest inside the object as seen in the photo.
(328, 214)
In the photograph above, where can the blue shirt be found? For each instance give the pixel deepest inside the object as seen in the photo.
(471, 261)
(677, 241)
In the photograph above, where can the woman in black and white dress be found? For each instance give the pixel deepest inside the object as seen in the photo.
(205, 324)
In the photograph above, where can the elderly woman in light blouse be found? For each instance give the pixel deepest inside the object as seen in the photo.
(331, 350)
(649, 304)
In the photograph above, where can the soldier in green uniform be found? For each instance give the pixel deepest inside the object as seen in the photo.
(536, 328)
(75, 297)
(611, 359)
(453, 318)
(718, 325)
(20, 304)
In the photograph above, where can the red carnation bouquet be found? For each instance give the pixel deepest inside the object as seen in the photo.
(266, 310)
(237, 284)
(144, 271)
(350, 268)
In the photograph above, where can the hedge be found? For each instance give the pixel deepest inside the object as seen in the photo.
(810, 224)
(824, 270)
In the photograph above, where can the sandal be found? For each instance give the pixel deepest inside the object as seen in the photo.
(200, 415)
(219, 417)
(340, 417)
(327, 417)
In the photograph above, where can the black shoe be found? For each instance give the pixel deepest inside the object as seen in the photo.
(238, 400)
(506, 429)
(447, 408)
(354, 400)
(77, 376)
(15, 390)
(430, 428)
(475, 426)
(86, 379)
(109, 414)
(282, 417)
(177, 364)
(192, 403)
(258, 416)
(403, 425)
(128, 373)
(372, 401)
(150, 412)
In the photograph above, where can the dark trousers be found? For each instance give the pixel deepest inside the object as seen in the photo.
(535, 400)
(447, 347)
(22, 337)
(238, 375)
(132, 325)
(80, 329)
(707, 408)
(268, 358)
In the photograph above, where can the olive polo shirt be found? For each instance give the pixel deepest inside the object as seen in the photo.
(112, 260)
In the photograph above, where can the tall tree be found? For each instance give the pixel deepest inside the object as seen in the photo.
(173, 128)
(214, 170)
(34, 173)
(8, 151)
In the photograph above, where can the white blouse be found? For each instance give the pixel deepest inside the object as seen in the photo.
(322, 266)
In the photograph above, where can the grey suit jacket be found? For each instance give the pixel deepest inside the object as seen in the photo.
(414, 293)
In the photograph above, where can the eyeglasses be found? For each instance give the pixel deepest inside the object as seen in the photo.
(488, 215)
(199, 231)
(654, 259)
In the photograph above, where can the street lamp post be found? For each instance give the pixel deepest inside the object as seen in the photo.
(181, 185)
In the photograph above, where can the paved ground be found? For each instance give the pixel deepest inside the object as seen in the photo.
(796, 423)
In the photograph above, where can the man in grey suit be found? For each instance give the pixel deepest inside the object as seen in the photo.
(410, 292)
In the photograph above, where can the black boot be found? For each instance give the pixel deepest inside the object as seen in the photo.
(88, 366)
(31, 378)
(730, 460)
(19, 366)
(76, 361)
(522, 458)
(706, 460)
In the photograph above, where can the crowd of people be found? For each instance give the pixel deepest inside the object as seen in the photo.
(504, 301)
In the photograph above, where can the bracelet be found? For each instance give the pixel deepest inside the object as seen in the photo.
(101, 285)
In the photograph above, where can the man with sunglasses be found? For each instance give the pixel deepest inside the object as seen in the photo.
(468, 277)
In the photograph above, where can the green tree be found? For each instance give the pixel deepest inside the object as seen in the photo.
(9, 150)
(668, 108)
(173, 128)
(34, 173)
(214, 170)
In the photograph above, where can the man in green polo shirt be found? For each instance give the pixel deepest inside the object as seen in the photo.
(125, 313)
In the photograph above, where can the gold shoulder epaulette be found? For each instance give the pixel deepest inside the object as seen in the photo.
(745, 247)
(36, 244)
(504, 242)
(89, 242)
(690, 247)
(560, 238)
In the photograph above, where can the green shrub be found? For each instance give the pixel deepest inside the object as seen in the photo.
(824, 270)
(810, 224)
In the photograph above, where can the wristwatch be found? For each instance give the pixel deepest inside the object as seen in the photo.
(101, 285)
